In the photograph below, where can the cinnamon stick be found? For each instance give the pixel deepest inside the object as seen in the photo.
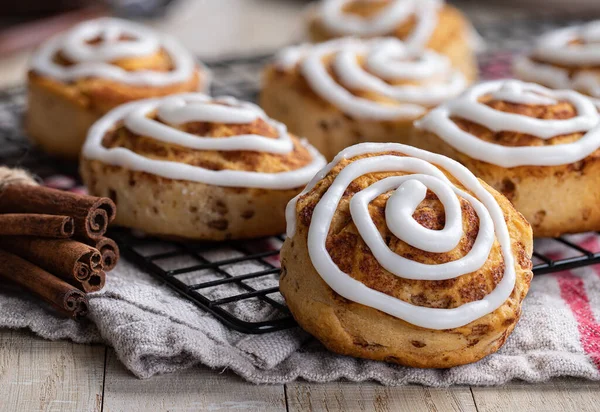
(95, 282)
(72, 261)
(37, 225)
(109, 250)
(62, 296)
(90, 214)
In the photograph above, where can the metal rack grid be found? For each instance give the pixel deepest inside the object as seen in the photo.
(234, 290)
(231, 279)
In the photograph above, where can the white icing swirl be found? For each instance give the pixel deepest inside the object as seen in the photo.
(188, 107)
(117, 39)
(408, 191)
(385, 59)
(394, 14)
(557, 46)
(467, 106)
(575, 48)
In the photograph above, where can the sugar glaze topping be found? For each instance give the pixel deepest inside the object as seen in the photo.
(468, 106)
(188, 107)
(385, 59)
(408, 191)
(93, 45)
(558, 46)
(385, 22)
(556, 54)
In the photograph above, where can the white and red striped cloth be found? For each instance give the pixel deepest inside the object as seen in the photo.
(579, 290)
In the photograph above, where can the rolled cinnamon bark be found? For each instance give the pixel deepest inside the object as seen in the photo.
(75, 262)
(95, 282)
(36, 225)
(91, 214)
(109, 250)
(62, 296)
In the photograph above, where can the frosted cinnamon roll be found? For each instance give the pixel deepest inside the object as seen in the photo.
(421, 24)
(192, 166)
(348, 91)
(398, 254)
(567, 58)
(537, 146)
(76, 77)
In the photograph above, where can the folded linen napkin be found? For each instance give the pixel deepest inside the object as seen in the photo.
(153, 330)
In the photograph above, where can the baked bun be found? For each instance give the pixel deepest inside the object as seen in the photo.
(402, 255)
(567, 58)
(347, 91)
(537, 146)
(421, 24)
(80, 75)
(196, 167)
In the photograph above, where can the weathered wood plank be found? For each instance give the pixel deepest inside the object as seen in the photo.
(556, 395)
(39, 375)
(348, 396)
(194, 389)
(36, 374)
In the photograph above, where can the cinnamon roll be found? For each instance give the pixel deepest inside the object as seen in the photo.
(402, 255)
(76, 77)
(421, 24)
(537, 146)
(348, 91)
(192, 166)
(567, 58)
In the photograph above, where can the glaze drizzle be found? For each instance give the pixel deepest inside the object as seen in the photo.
(396, 13)
(467, 106)
(565, 59)
(432, 79)
(114, 39)
(188, 107)
(408, 191)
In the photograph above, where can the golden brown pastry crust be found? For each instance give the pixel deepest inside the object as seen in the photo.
(287, 97)
(59, 114)
(353, 329)
(184, 209)
(451, 37)
(554, 199)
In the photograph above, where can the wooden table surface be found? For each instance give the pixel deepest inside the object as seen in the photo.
(39, 375)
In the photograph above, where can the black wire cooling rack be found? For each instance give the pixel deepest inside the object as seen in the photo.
(236, 281)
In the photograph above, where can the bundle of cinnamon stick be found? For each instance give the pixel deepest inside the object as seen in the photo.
(52, 242)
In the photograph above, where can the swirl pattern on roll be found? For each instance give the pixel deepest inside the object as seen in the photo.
(393, 14)
(375, 79)
(92, 47)
(418, 172)
(158, 118)
(565, 59)
(586, 120)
